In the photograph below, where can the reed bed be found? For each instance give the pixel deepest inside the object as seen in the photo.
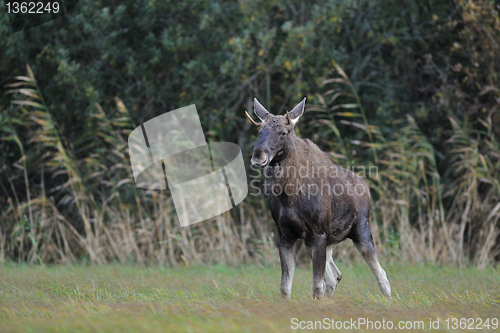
(79, 201)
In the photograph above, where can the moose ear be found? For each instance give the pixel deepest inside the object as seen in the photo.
(297, 111)
(259, 110)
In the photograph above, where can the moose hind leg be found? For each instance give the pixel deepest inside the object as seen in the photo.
(332, 273)
(368, 252)
(364, 243)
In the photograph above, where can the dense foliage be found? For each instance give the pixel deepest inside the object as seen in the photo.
(410, 87)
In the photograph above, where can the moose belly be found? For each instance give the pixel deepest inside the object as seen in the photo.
(304, 221)
(295, 221)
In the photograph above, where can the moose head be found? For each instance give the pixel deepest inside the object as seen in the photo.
(275, 133)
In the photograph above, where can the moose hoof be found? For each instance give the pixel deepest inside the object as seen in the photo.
(385, 288)
(317, 293)
(329, 291)
(285, 296)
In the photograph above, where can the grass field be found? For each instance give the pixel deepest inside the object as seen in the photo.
(221, 298)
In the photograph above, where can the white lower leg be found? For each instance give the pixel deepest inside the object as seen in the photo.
(332, 273)
(383, 282)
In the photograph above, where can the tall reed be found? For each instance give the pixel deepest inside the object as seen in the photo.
(95, 212)
(92, 210)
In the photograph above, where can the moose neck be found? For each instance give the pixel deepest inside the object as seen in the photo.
(284, 166)
(283, 170)
(287, 153)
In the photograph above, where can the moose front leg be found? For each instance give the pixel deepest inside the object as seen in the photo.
(287, 258)
(319, 263)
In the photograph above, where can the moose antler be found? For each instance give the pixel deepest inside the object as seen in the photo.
(253, 122)
(288, 117)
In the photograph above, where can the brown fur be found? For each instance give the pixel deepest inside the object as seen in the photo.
(313, 199)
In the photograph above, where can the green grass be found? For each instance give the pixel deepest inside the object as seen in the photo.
(221, 298)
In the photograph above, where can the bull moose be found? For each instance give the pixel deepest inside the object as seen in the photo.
(313, 199)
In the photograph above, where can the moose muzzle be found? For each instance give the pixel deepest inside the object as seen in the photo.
(261, 156)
